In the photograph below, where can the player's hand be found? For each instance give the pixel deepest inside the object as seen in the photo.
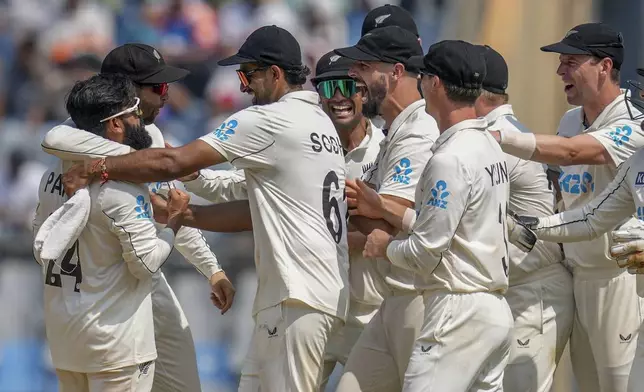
(363, 200)
(77, 177)
(222, 291)
(178, 202)
(377, 243)
(628, 250)
(520, 230)
(159, 207)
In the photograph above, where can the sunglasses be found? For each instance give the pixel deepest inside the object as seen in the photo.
(159, 88)
(245, 76)
(133, 109)
(347, 87)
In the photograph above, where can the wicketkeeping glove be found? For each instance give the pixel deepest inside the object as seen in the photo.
(628, 249)
(520, 230)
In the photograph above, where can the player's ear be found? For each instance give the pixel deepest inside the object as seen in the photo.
(276, 73)
(398, 71)
(114, 129)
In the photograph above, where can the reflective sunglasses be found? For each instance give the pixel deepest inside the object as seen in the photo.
(160, 89)
(245, 76)
(133, 109)
(347, 88)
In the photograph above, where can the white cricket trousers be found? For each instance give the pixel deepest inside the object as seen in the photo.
(543, 308)
(287, 349)
(379, 358)
(464, 344)
(136, 378)
(176, 364)
(606, 329)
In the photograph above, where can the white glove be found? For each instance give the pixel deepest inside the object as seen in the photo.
(520, 231)
(628, 250)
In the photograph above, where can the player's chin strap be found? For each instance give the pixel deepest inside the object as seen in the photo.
(628, 249)
(520, 231)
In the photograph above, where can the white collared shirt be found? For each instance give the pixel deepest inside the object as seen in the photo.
(295, 176)
(529, 195)
(579, 184)
(403, 155)
(458, 242)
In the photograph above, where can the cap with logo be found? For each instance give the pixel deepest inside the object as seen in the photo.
(496, 76)
(389, 15)
(390, 44)
(459, 63)
(594, 39)
(270, 45)
(142, 64)
(331, 66)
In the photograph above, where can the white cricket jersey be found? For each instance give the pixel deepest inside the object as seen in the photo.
(219, 186)
(579, 184)
(97, 305)
(295, 175)
(70, 143)
(529, 195)
(403, 155)
(365, 281)
(458, 242)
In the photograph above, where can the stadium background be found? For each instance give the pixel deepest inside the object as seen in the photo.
(45, 45)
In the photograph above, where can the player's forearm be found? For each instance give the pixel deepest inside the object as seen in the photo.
(393, 212)
(553, 149)
(411, 255)
(143, 266)
(223, 218)
(367, 225)
(191, 243)
(152, 164)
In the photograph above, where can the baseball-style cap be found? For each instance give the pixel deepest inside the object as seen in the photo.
(142, 64)
(640, 71)
(496, 76)
(269, 45)
(595, 39)
(389, 15)
(459, 63)
(331, 66)
(391, 44)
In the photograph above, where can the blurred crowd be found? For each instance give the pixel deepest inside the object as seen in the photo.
(46, 45)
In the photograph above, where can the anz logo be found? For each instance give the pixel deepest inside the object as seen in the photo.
(439, 195)
(225, 130)
(640, 213)
(576, 183)
(142, 209)
(621, 135)
(402, 171)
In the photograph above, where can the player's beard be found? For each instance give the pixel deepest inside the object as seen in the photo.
(376, 94)
(136, 136)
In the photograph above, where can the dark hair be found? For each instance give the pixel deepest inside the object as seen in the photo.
(614, 72)
(297, 77)
(461, 94)
(98, 97)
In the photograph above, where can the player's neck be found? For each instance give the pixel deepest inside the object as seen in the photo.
(398, 101)
(351, 138)
(593, 108)
(454, 115)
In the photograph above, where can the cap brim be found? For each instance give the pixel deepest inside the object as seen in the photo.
(640, 71)
(169, 74)
(562, 48)
(415, 63)
(356, 54)
(235, 59)
(337, 74)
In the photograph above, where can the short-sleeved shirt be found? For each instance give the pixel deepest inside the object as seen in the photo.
(295, 173)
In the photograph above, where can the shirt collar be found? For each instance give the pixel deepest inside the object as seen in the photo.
(303, 95)
(617, 108)
(403, 116)
(501, 111)
(479, 124)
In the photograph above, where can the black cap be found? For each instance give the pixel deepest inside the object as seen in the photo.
(496, 76)
(640, 71)
(389, 15)
(595, 39)
(142, 64)
(457, 62)
(269, 45)
(331, 66)
(391, 44)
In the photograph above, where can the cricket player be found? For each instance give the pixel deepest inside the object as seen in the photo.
(379, 358)
(462, 267)
(540, 287)
(341, 99)
(295, 207)
(98, 309)
(601, 135)
(176, 366)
